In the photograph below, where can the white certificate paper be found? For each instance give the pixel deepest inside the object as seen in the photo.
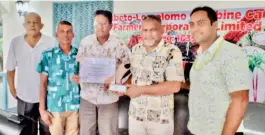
(118, 88)
(96, 70)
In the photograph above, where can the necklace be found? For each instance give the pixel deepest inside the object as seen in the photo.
(199, 67)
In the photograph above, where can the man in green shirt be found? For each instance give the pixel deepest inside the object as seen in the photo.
(57, 90)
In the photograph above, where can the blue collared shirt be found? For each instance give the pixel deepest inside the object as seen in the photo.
(62, 94)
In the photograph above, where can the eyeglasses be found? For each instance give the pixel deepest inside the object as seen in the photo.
(31, 22)
(96, 23)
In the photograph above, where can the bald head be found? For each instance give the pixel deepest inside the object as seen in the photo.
(32, 15)
(32, 23)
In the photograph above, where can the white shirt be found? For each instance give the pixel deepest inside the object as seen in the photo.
(217, 72)
(24, 59)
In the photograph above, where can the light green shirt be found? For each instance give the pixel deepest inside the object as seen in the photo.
(225, 70)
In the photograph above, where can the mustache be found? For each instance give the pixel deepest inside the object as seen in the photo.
(149, 40)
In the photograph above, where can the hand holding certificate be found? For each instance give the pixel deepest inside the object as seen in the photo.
(96, 70)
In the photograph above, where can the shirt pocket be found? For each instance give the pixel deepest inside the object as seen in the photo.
(160, 62)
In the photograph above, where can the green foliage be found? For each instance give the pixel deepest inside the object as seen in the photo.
(255, 61)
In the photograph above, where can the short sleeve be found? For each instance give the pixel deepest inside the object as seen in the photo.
(174, 70)
(11, 62)
(236, 71)
(124, 54)
(81, 52)
(76, 68)
(43, 66)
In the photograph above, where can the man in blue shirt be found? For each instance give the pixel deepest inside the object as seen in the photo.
(58, 92)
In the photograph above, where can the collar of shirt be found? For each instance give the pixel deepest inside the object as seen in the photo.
(157, 49)
(210, 51)
(38, 43)
(110, 38)
(58, 49)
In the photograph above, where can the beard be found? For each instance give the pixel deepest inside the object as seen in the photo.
(149, 42)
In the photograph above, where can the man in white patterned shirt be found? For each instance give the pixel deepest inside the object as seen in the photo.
(97, 104)
(157, 73)
(220, 79)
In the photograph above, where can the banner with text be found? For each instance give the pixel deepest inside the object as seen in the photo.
(244, 27)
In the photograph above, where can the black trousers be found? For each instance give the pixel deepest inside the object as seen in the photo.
(31, 112)
(181, 113)
(237, 133)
